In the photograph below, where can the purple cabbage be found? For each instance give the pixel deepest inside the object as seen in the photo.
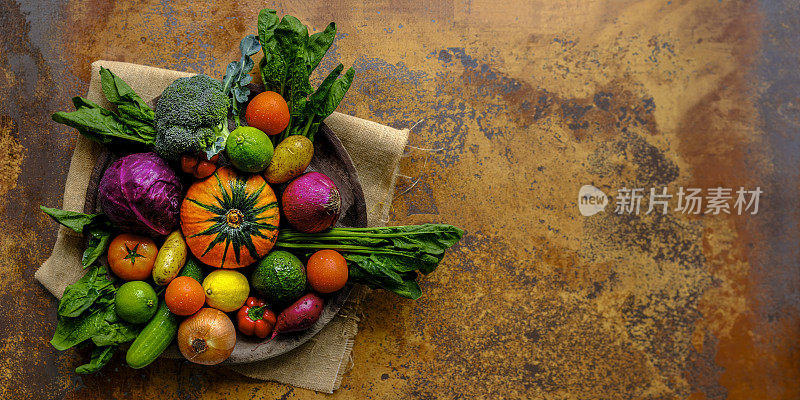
(141, 193)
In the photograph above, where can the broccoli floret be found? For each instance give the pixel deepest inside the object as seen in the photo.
(191, 116)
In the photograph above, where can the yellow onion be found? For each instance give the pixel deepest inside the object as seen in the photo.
(207, 337)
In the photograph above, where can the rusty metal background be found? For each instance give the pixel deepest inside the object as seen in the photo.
(514, 105)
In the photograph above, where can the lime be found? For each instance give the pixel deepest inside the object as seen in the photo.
(136, 302)
(226, 290)
(249, 149)
(280, 277)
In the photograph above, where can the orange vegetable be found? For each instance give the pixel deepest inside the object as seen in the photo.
(230, 220)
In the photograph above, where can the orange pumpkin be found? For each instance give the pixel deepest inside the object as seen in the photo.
(230, 220)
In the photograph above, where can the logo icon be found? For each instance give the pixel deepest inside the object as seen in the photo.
(591, 200)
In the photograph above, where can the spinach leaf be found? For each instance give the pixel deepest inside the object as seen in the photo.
(96, 122)
(96, 226)
(133, 121)
(129, 105)
(100, 357)
(97, 244)
(325, 100)
(81, 295)
(273, 65)
(72, 219)
(318, 45)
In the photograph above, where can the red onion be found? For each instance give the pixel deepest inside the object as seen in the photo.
(311, 203)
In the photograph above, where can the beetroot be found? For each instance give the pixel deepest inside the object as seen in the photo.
(300, 315)
(311, 203)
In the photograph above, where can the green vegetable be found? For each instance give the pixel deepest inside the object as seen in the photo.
(136, 113)
(96, 227)
(192, 116)
(387, 257)
(86, 313)
(237, 76)
(133, 119)
(154, 338)
(193, 270)
(290, 56)
(100, 357)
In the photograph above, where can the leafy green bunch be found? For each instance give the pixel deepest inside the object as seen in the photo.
(290, 56)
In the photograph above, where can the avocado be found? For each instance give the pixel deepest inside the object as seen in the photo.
(192, 269)
(280, 277)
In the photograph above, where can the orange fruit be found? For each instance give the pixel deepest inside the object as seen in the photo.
(327, 271)
(131, 257)
(268, 112)
(184, 296)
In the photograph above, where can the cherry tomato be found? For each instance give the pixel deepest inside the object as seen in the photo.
(188, 163)
(204, 169)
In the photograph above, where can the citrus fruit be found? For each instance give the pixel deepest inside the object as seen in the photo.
(226, 290)
(184, 296)
(249, 149)
(136, 302)
(131, 257)
(327, 271)
(280, 277)
(269, 112)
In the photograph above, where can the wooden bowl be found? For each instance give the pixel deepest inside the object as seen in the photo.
(331, 159)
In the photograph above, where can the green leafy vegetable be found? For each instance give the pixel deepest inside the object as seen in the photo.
(290, 56)
(387, 257)
(100, 357)
(237, 76)
(96, 227)
(86, 313)
(132, 121)
(132, 108)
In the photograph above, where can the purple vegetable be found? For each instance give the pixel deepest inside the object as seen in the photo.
(141, 193)
(311, 202)
(300, 315)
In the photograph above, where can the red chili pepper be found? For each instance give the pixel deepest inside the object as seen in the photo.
(255, 319)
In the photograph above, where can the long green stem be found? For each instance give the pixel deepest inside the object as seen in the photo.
(338, 233)
(308, 125)
(345, 248)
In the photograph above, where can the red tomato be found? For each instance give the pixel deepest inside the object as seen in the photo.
(131, 257)
(204, 169)
(188, 163)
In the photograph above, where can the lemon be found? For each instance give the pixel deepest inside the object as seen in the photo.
(249, 149)
(226, 290)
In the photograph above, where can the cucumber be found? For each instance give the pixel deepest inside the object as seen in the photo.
(154, 338)
(193, 270)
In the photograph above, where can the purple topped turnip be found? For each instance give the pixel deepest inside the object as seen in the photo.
(311, 203)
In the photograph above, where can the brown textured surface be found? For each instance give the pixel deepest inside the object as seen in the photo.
(521, 103)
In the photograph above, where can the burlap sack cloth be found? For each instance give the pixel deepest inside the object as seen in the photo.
(375, 149)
